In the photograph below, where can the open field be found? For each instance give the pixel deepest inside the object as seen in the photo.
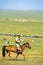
(33, 56)
(28, 15)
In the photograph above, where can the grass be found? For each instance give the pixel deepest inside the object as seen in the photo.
(34, 56)
(21, 27)
(29, 15)
(30, 61)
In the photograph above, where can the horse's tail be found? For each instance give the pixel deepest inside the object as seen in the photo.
(3, 51)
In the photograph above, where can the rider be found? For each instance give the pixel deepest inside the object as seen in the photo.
(18, 41)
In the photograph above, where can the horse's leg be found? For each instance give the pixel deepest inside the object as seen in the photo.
(16, 56)
(9, 55)
(23, 56)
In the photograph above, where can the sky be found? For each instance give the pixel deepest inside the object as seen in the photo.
(21, 4)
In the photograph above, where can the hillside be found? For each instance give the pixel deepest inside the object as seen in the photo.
(27, 15)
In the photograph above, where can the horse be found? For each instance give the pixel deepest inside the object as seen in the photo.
(12, 48)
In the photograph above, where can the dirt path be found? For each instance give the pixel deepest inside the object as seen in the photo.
(13, 55)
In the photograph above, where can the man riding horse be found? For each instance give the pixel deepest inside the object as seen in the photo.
(18, 41)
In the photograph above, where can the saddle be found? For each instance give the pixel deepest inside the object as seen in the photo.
(18, 51)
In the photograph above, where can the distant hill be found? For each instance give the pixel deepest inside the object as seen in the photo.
(28, 15)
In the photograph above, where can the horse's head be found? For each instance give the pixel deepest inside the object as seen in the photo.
(27, 45)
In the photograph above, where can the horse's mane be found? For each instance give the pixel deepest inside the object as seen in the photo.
(24, 43)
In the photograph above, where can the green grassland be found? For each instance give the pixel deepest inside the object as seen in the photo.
(29, 15)
(34, 56)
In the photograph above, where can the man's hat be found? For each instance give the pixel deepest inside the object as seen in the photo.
(19, 35)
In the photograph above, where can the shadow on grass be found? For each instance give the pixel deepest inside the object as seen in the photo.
(16, 60)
